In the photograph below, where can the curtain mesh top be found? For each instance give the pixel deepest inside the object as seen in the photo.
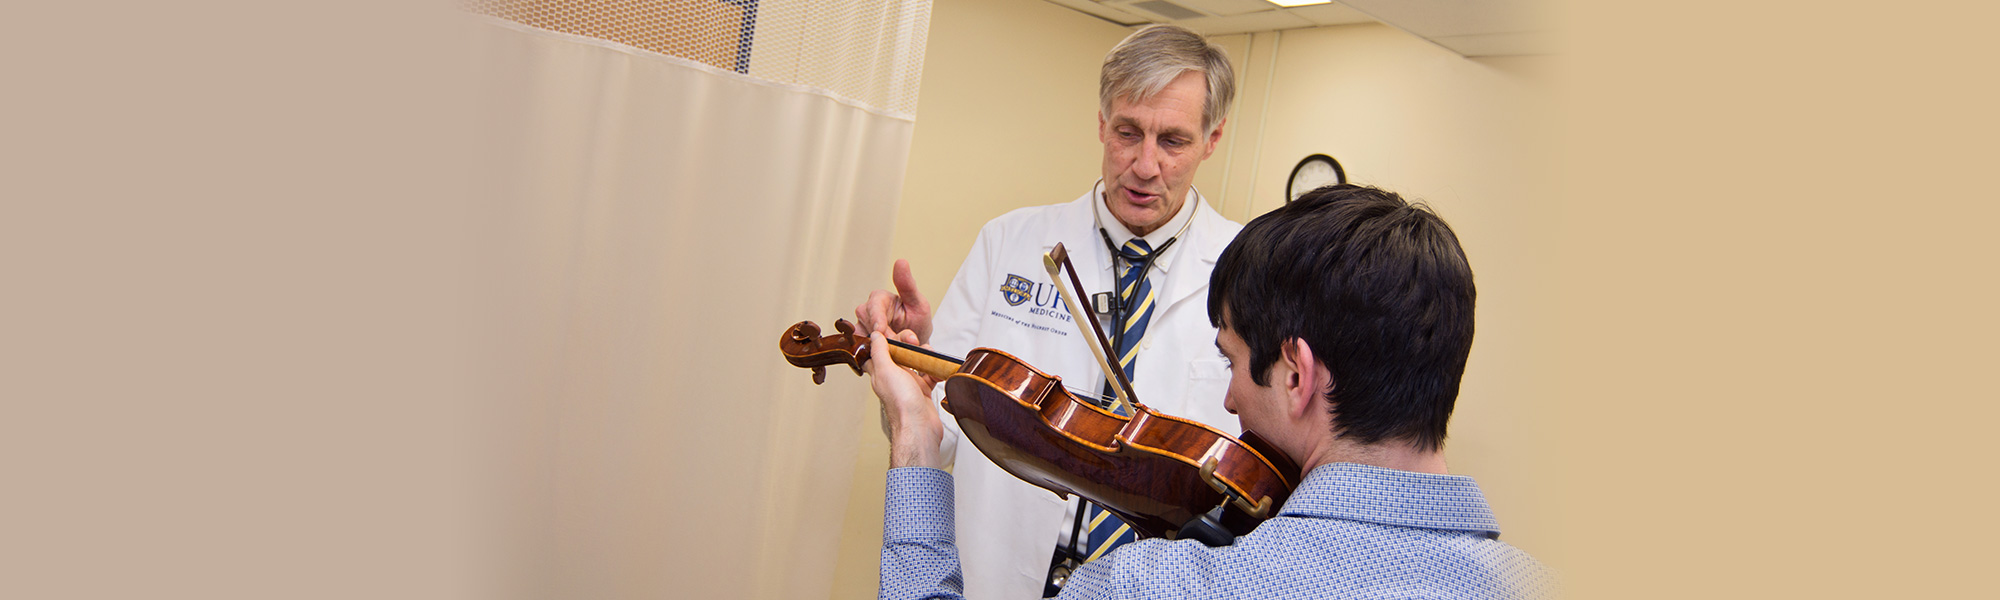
(869, 52)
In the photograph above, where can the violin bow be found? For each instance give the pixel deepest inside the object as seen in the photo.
(1057, 262)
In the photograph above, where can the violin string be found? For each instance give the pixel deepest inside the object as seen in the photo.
(1096, 397)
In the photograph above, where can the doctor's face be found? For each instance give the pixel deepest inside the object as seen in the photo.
(1151, 149)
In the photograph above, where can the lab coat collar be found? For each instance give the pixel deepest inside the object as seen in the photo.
(1194, 256)
(1120, 235)
(1193, 250)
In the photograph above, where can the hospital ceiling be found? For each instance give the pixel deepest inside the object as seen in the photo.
(1468, 27)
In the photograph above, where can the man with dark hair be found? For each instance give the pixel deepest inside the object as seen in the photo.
(1380, 288)
(1346, 316)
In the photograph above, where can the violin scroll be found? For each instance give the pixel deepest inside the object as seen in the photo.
(803, 346)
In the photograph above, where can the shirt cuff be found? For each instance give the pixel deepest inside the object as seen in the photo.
(918, 506)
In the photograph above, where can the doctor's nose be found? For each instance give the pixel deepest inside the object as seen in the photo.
(1147, 164)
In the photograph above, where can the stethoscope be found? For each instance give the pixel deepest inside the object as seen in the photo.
(1114, 304)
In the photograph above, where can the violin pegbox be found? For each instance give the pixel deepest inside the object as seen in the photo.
(803, 346)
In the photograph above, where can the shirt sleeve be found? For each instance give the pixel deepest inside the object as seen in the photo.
(920, 552)
(919, 543)
(919, 546)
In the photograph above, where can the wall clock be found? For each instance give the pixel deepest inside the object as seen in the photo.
(1315, 171)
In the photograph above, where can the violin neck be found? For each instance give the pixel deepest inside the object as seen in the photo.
(936, 365)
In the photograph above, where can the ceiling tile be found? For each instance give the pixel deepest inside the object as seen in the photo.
(1103, 11)
(1499, 44)
(1167, 10)
(1434, 19)
(1270, 20)
(1227, 8)
(1332, 14)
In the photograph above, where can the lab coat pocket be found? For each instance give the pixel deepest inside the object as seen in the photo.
(1208, 368)
(1208, 381)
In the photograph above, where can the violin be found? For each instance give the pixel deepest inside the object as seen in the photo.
(1165, 476)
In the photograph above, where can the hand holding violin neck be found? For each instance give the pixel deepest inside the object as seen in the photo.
(914, 428)
(803, 346)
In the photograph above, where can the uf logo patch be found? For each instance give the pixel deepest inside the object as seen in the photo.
(1016, 290)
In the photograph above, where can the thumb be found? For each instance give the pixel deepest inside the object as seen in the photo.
(878, 353)
(884, 375)
(906, 284)
(880, 363)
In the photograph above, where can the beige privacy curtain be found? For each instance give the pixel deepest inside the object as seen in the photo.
(679, 181)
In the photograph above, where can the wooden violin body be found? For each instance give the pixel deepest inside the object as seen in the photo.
(1157, 472)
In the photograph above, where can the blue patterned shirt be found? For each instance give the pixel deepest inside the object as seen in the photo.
(1349, 531)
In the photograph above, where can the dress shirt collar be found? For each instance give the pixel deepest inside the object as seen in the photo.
(1120, 235)
(1391, 497)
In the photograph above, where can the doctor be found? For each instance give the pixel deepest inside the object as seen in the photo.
(1141, 231)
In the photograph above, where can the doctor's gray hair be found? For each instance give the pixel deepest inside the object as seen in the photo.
(1153, 56)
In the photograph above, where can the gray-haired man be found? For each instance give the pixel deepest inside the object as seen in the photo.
(1144, 234)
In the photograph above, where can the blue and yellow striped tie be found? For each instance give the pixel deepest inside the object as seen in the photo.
(1107, 531)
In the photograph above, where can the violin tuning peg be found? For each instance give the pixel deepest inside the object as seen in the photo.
(841, 325)
(804, 333)
(819, 375)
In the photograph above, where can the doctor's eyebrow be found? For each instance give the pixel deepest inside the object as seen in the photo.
(1124, 121)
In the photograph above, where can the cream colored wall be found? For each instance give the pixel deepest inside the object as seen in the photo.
(1007, 119)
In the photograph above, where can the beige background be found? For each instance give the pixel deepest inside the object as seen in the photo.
(1775, 302)
(1752, 358)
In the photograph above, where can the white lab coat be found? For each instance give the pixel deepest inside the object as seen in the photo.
(1007, 529)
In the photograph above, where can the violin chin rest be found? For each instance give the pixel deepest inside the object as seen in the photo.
(1206, 529)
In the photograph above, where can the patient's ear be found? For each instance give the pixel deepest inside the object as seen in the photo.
(1305, 378)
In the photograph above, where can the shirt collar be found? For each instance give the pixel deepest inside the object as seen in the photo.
(1390, 497)
(1120, 235)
